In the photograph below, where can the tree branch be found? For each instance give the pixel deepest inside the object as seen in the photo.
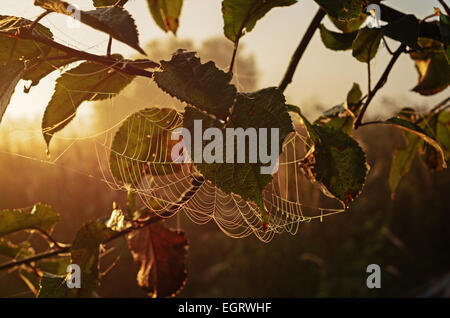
(447, 9)
(380, 84)
(197, 182)
(287, 79)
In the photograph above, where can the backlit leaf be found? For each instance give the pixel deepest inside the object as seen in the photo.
(160, 254)
(54, 286)
(203, 86)
(262, 109)
(343, 10)
(402, 160)
(335, 161)
(411, 127)
(15, 251)
(14, 49)
(43, 65)
(10, 75)
(143, 145)
(337, 41)
(432, 66)
(339, 118)
(366, 44)
(115, 21)
(353, 101)
(85, 253)
(87, 82)
(40, 216)
(444, 27)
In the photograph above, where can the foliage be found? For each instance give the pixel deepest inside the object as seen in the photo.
(142, 145)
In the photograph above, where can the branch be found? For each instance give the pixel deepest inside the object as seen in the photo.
(121, 66)
(66, 249)
(383, 79)
(447, 9)
(287, 79)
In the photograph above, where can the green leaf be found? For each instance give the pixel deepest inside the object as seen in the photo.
(143, 145)
(432, 66)
(265, 108)
(166, 13)
(160, 254)
(240, 16)
(343, 10)
(115, 21)
(54, 286)
(402, 161)
(87, 82)
(365, 46)
(349, 25)
(339, 118)
(203, 86)
(438, 125)
(335, 161)
(444, 27)
(337, 41)
(41, 217)
(85, 253)
(56, 266)
(15, 251)
(404, 30)
(41, 66)
(354, 96)
(411, 127)
(10, 75)
(14, 49)
(443, 130)
(107, 3)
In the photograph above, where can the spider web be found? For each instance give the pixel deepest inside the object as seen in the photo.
(182, 189)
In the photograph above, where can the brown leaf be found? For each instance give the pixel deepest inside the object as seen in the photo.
(160, 254)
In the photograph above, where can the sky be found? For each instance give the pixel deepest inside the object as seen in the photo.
(323, 76)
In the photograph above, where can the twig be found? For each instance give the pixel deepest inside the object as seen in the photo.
(380, 84)
(287, 79)
(128, 68)
(233, 57)
(447, 9)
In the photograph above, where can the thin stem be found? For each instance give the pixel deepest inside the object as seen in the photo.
(287, 79)
(233, 57)
(447, 9)
(387, 46)
(369, 79)
(381, 82)
(435, 108)
(39, 18)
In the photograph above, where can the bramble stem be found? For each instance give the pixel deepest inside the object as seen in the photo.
(287, 79)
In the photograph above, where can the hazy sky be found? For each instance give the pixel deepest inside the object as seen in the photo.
(323, 76)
